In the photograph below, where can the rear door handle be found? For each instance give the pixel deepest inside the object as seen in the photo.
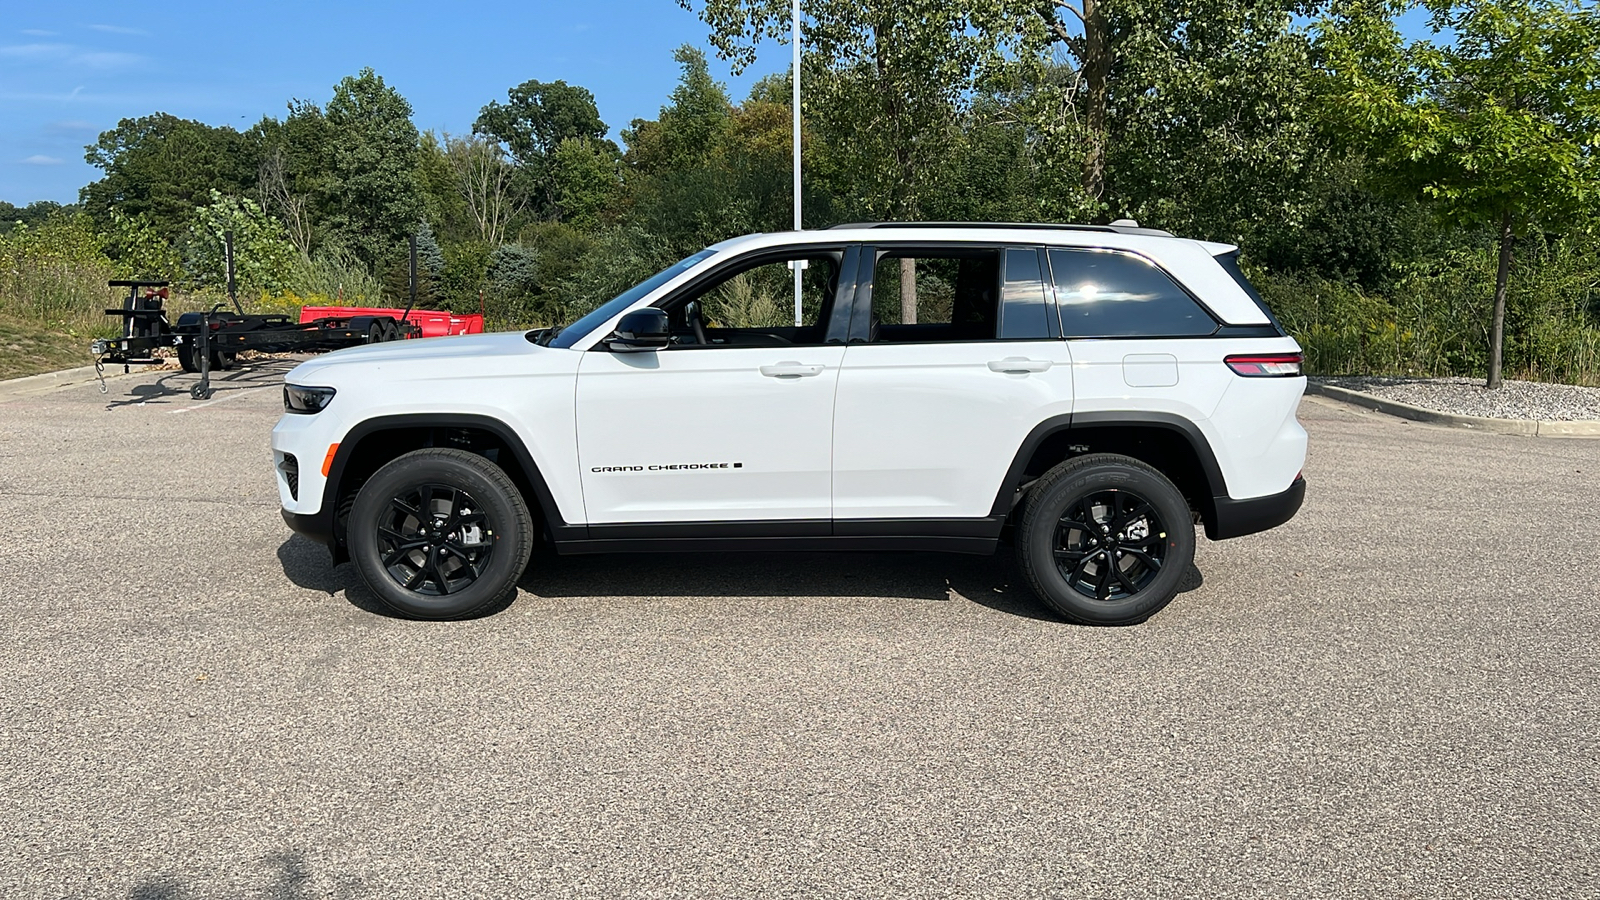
(1016, 365)
(788, 369)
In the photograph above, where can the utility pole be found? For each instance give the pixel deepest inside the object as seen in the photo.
(795, 78)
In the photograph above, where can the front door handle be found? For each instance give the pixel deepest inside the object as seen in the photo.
(1016, 365)
(787, 369)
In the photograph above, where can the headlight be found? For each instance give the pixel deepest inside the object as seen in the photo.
(297, 399)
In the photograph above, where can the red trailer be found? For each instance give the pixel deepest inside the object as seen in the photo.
(434, 323)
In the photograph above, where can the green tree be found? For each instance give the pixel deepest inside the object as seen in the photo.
(885, 82)
(487, 184)
(263, 256)
(140, 250)
(585, 180)
(533, 122)
(371, 191)
(293, 180)
(443, 206)
(1498, 126)
(1191, 114)
(32, 214)
(162, 168)
(690, 128)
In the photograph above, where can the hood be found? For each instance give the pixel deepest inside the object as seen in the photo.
(401, 353)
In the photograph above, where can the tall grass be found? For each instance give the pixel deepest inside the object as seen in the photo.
(1435, 319)
(59, 295)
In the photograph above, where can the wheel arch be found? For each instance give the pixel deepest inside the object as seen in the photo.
(1172, 444)
(371, 443)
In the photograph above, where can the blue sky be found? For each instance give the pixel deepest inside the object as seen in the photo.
(69, 70)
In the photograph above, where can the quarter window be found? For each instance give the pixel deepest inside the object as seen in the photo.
(1111, 294)
(1024, 314)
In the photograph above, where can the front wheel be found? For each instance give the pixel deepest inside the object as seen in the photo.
(1105, 540)
(440, 534)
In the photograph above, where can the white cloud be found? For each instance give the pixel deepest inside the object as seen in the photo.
(39, 32)
(119, 29)
(70, 127)
(69, 55)
(105, 60)
(35, 51)
(39, 159)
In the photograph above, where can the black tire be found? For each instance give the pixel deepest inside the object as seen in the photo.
(223, 360)
(188, 360)
(375, 333)
(1130, 551)
(458, 558)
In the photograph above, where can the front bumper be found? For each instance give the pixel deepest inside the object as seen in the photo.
(315, 526)
(1236, 518)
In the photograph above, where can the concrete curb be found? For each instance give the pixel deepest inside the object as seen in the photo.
(1523, 427)
(29, 385)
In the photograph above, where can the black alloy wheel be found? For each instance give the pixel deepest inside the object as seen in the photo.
(1105, 539)
(440, 534)
(1110, 545)
(435, 539)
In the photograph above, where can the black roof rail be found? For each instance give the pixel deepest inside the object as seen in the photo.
(1040, 226)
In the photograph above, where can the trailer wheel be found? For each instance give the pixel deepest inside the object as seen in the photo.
(186, 358)
(223, 360)
(440, 534)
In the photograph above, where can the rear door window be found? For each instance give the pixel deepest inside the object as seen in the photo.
(1107, 293)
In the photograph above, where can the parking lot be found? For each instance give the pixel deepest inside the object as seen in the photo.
(1394, 695)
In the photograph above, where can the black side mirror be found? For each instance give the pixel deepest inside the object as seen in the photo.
(642, 329)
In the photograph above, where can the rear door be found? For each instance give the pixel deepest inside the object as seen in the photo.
(931, 412)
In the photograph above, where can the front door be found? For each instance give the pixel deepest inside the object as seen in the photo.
(734, 422)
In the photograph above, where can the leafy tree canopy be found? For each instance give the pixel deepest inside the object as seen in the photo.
(1498, 125)
(372, 153)
(162, 168)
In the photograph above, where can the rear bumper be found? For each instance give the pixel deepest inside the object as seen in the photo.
(1236, 518)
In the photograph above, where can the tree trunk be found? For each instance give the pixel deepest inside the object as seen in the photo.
(1497, 334)
(1096, 68)
(908, 291)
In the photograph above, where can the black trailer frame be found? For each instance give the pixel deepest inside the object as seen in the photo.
(213, 339)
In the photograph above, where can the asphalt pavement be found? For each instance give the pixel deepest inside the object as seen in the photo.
(1393, 695)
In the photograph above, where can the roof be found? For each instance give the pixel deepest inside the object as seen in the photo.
(1121, 226)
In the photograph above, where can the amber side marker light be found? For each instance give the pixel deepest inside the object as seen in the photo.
(1270, 365)
(327, 461)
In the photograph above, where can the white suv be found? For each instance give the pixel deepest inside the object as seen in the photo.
(1091, 392)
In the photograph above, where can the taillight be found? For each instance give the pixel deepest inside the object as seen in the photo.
(1270, 365)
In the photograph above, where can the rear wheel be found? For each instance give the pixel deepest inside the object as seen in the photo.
(1105, 540)
(189, 358)
(439, 534)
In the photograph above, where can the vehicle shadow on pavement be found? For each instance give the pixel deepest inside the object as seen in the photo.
(989, 581)
(309, 565)
(288, 880)
(175, 385)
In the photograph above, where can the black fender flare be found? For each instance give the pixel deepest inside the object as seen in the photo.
(322, 522)
(1216, 484)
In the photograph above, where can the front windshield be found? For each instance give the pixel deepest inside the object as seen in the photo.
(576, 331)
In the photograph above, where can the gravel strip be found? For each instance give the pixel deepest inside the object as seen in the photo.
(1468, 397)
